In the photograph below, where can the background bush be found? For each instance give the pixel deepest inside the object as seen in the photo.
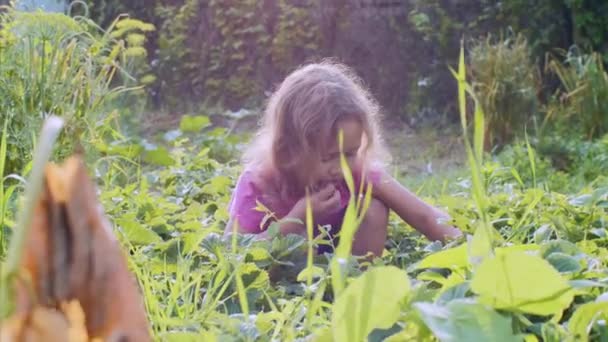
(51, 63)
(506, 81)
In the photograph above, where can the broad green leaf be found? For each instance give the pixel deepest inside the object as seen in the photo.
(585, 316)
(258, 254)
(159, 156)
(218, 184)
(127, 150)
(480, 246)
(136, 233)
(528, 247)
(559, 246)
(314, 272)
(266, 321)
(450, 258)
(322, 335)
(530, 338)
(564, 263)
(432, 276)
(582, 200)
(454, 292)
(370, 301)
(193, 123)
(253, 277)
(182, 336)
(192, 240)
(523, 282)
(191, 225)
(466, 320)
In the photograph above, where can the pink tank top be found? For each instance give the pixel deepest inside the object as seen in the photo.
(244, 208)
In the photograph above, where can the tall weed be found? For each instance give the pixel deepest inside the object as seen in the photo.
(584, 97)
(505, 80)
(51, 63)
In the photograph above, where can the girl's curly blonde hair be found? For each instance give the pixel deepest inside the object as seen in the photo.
(301, 116)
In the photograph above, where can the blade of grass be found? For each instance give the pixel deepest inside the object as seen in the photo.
(3, 200)
(482, 244)
(350, 224)
(50, 132)
(531, 159)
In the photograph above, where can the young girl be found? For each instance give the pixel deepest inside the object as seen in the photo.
(297, 150)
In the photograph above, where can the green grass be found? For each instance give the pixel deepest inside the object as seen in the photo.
(198, 284)
(533, 263)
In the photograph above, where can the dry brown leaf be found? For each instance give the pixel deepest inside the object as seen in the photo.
(74, 267)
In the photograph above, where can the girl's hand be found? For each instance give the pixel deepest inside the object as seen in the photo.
(323, 202)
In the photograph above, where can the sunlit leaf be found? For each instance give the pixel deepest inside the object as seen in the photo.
(519, 281)
(265, 321)
(159, 156)
(585, 316)
(219, 184)
(136, 233)
(450, 258)
(480, 246)
(313, 272)
(370, 301)
(190, 123)
(182, 336)
(258, 254)
(253, 277)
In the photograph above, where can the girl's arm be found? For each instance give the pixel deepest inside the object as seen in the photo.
(285, 226)
(411, 209)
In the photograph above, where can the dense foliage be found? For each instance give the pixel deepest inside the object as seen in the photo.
(52, 63)
(533, 265)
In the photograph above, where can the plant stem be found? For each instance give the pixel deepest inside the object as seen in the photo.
(49, 133)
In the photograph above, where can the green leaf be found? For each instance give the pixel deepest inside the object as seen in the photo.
(218, 184)
(519, 281)
(480, 246)
(454, 292)
(322, 335)
(159, 156)
(585, 316)
(192, 240)
(564, 263)
(369, 302)
(559, 246)
(136, 233)
(258, 254)
(582, 200)
(314, 272)
(450, 258)
(183, 336)
(466, 320)
(479, 137)
(543, 233)
(253, 277)
(193, 123)
(130, 151)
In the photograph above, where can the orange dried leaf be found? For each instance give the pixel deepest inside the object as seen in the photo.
(74, 267)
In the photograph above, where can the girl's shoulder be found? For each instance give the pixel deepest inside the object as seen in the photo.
(259, 180)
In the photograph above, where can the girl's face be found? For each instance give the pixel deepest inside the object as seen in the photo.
(329, 169)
